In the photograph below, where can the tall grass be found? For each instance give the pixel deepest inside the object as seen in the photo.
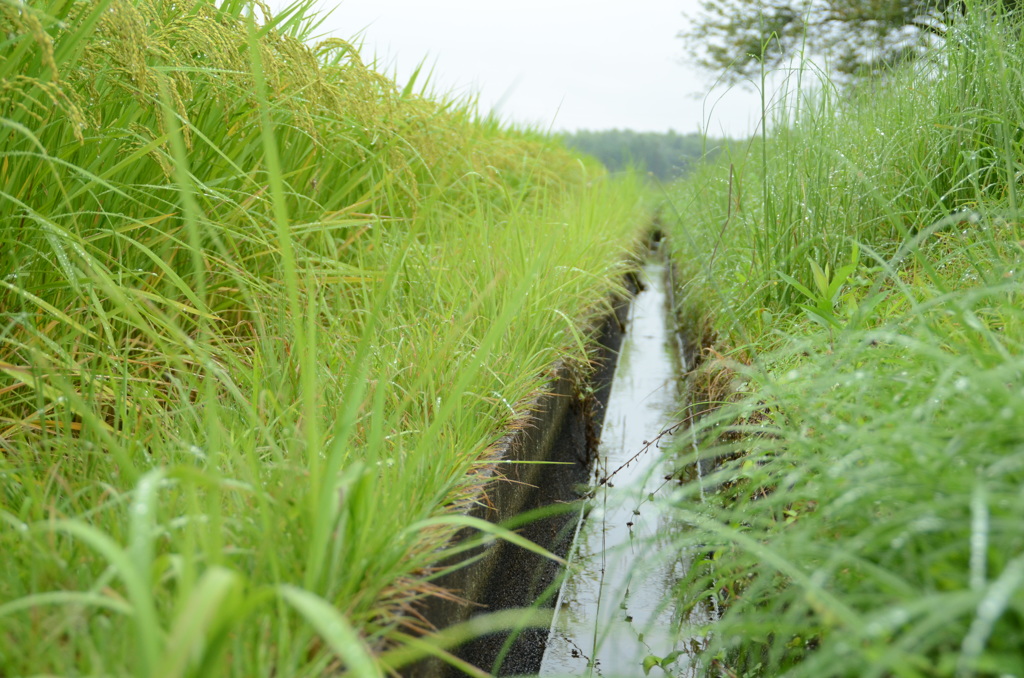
(863, 301)
(263, 316)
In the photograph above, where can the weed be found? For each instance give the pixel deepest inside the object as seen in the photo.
(869, 527)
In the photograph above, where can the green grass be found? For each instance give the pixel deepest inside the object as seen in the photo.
(858, 284)
(263, 317)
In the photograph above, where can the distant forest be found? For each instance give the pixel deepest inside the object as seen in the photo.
(666, 155)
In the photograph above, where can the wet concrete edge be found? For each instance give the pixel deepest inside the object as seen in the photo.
(565, 427)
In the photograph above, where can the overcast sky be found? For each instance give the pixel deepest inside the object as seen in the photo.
(560, 64)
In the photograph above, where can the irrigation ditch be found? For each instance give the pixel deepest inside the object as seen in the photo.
(607, 613)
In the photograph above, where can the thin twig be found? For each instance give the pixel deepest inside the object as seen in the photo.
(647, 445)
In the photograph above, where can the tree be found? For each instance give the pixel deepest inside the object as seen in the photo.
(859, 37)
(665, 155)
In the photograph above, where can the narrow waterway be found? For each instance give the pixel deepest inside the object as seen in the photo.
(615, 608)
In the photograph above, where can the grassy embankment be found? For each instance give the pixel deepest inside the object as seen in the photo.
(859, 279)
(262, 317)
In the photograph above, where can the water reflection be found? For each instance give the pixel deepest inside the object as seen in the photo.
(616, 605)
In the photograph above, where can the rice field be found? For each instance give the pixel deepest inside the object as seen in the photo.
(263, 316)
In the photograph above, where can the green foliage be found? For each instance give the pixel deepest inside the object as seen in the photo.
(256, 335)
(913, 159)
(826, 293)
(665, 155)
(856, 37)
(830, 291)
(866, 518)
(650, 661)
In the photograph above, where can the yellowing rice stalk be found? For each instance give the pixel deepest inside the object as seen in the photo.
(262, 314)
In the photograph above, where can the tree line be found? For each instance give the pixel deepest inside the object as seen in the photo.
(666, 155)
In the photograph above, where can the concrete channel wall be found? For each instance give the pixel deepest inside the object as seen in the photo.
(565, 427)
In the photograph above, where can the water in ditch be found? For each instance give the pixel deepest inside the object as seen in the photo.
(615, 608)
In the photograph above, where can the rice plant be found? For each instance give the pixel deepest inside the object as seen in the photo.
(263, 316)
